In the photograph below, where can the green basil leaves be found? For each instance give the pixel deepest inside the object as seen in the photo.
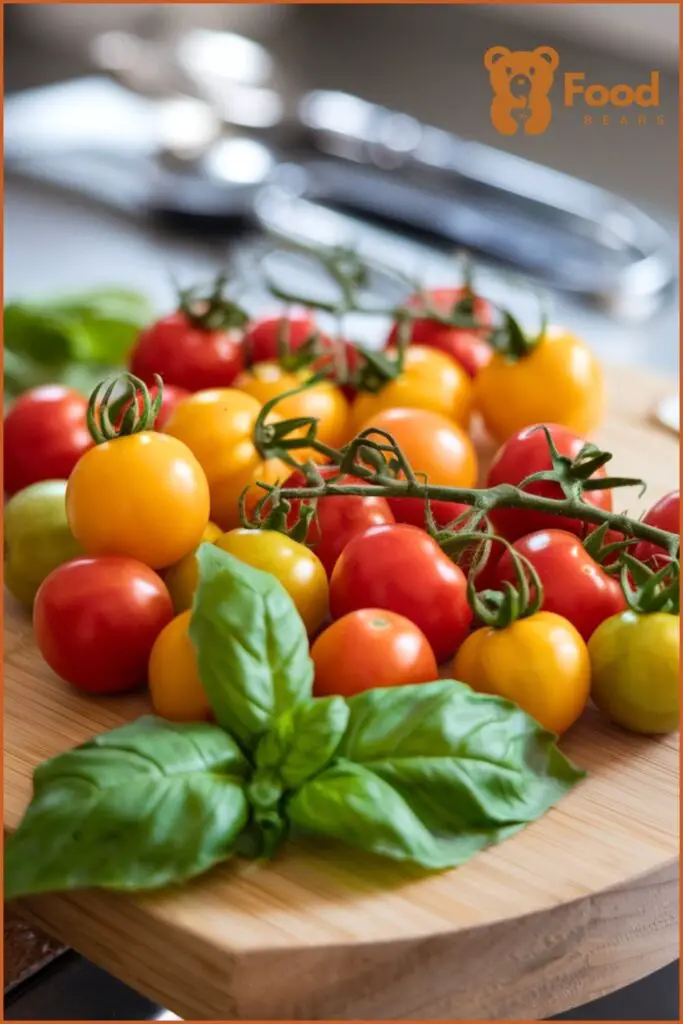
(429, 773)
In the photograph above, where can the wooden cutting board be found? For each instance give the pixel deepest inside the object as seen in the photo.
(581, 903)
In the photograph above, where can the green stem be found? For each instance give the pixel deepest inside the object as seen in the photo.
(486, 499)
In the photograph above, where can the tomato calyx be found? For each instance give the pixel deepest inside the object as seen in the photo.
(103, 415)
(648, 591)
(575, 476)
(498, 609)
(603, 553)
(212, 312)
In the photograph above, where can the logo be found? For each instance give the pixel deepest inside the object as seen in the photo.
(521, 81)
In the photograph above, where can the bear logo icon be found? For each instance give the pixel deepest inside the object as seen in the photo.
(521, 81)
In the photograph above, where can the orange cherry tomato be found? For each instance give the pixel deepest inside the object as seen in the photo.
(435, 447)
(430, 380)
(323, 402)
(371, 648)
(175, 687)
(217, 426)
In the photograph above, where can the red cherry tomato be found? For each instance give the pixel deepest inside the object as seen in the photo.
(339, 519)
(96, 620)
(171, 397)
(262, 340)
(186, 355)
(574, 586)
(467, 347)
(401, 569)
(368, 649)
(525, 453)
(665, 514)
(45, 434)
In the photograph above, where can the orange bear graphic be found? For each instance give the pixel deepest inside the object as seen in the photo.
(521, 81)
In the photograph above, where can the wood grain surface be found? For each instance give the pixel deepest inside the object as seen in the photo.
(579, 904)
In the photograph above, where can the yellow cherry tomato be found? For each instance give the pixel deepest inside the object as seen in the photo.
(144, 495)
(430, 380)
(217, 425)
(323, 402)
(299, 571)
(175, 687)
(635, 669)
(558, 381)
(182, 577)
(540, 663)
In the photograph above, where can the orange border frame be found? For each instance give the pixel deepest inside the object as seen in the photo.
(492, 3)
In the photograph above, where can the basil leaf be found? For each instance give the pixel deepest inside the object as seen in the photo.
(303, 740)
(143, 806)
(433, 773)
(251, 644)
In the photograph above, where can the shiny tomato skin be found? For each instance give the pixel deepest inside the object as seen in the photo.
(171, 397)
(261, 341)
(185, 355)
(175, 688)
(343, 360)
(467, 347)
(539, 662)
(525, 453)
(558, 380)
(574, 586)
(665, 514)
(142, 495)
(436, 447)
(44, 435)
(635, 671)
(96, 621)
(298, 569)
(323, 402)
(368, 649)
(338, 518)
(217, 426)
(429, 380)
(401, 569)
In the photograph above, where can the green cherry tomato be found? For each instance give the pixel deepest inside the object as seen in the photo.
(634, 664)
(37, 537)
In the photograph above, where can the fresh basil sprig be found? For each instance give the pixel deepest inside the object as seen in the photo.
(430, 773)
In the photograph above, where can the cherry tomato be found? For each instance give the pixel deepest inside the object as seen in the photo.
(526, 453)
(170, 398)
(96, 620)
(45, 434)
(144, 495)
(467, 347)
(217, 426)
(635, 670)
(558, 381)
(186, 355)
(401, 569)
(665, 515)
(263, 339)
(430, 380)
(574, 586)
(338, 518)
(323, 402)
(37, 537)
(174, 685)
(435, 447)
(371, 648)
(181, 578)
(299, 571)
(540, 663)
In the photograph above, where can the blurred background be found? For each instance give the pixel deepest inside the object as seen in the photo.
(130, 128)
(423, 60)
